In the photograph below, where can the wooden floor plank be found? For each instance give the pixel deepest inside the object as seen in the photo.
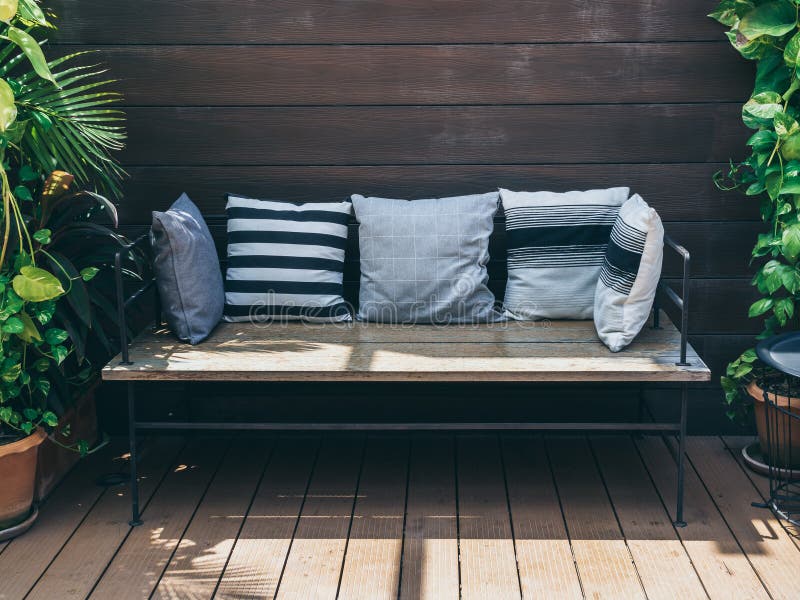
(661, 561)
(139, 563)
(315, 560)
(374, 549)
(200, 558)
(544, 556)
(734, 444)
(430, 546)
(260, 551)
(487, 558)
(603, 560)
(723, 568)
(77, 568)
(771, 551)
(27, 557)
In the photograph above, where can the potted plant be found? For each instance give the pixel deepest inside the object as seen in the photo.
(51, 116)
(766, 31)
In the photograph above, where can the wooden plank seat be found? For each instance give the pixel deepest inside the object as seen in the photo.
(558, 351)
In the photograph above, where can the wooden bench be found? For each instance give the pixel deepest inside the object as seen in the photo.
(535, 352)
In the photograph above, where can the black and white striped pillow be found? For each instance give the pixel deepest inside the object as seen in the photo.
(629, 278)
(556, 245)
(285, 260)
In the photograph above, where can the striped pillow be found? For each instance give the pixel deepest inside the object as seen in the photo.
(556, 244)
(629, 277)
(285, 261)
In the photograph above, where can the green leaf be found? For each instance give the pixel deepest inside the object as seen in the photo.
(30, 333)
(790, 149)
(11, 373)
(791, 54)
(59, 353)
(23, 193)
(31, 14)
(13, 325)
(728, 12)
(42, 236)
(791, 185)
(55, 336)
(774, 183)
(759, 307)
(8, 107)
(8, 10)
(791, 242)
(748, 356)
(50, 418)
(763, 141)
(783, 310)
(30, 47)
(760, 110)
(743, 370)
(785, 125)
(790, 278)
(88, 273)
(42, 365)
(775, 18)
(28, 174)
(37, 285)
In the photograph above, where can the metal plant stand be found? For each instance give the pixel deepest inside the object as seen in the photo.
(782, 425)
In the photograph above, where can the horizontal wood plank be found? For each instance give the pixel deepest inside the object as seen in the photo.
(213, 75)
(372, 352)
(635, 133)
(382, 21)
(679, 192)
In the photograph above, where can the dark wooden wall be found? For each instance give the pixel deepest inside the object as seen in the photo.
(314, 100)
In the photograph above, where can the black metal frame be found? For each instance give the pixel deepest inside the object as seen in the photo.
(681, 302)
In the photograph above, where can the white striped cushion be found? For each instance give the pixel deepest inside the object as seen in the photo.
(556, 244)
(285, 260)
(629, 278)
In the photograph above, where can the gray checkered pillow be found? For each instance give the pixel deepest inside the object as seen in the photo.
(424, 261)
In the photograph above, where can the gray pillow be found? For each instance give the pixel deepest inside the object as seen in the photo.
(187, 271)
(424, 261)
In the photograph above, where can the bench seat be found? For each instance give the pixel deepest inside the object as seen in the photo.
(558, 351)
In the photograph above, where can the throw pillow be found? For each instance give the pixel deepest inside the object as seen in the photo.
(187, 271)
(285, 260)
(424, 261)
(556, 244)
(629, 277)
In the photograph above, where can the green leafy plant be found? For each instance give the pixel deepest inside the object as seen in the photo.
(767, 32)
(53, 115)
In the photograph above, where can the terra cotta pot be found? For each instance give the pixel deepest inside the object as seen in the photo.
(18, 476)
(784, 432)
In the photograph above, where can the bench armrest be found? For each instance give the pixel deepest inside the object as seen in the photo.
(681, 302)
(122, 302)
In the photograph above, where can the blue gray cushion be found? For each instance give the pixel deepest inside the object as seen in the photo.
(424, 261)
(187, 271)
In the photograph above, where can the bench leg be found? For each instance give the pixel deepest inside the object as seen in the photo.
(133, 460)
(679, 522)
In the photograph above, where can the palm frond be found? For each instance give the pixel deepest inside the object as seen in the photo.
(74, 125)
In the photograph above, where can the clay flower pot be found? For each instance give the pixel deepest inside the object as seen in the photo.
(18, 476)
(784, 429)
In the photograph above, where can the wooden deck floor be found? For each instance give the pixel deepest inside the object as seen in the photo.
(414, 516)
